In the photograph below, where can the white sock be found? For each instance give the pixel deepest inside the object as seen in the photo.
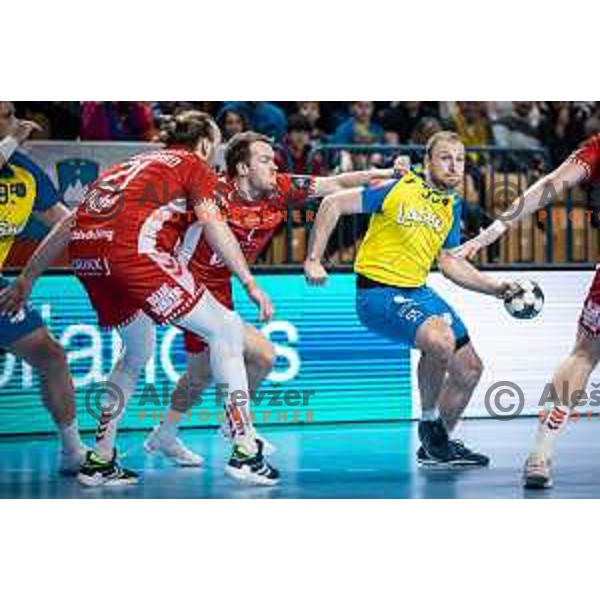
(69, 437)
(138, 339)
(548, 431)
(106, 433)
(430, 414)
(224, 331)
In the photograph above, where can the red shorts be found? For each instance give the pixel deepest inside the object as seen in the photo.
(157, 284)
(589, 320)
(222, 291)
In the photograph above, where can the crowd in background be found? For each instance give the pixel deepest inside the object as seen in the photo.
(298, 127)
(528, 138)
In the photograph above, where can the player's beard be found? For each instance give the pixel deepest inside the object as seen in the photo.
(446, 184)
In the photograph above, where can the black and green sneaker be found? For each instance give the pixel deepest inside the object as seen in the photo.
(250, 468)
(96, 471)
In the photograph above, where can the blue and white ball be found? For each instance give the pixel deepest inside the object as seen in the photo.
(527, 302)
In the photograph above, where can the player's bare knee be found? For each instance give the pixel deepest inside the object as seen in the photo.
(50, 356)
(231, 331)
(133, 360)
(437, 341)
(440, 347)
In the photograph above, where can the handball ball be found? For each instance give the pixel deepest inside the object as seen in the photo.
(526, 302)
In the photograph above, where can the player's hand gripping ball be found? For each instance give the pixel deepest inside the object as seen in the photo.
(525, 300)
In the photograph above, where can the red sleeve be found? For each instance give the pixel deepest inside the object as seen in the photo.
(201, 183)
(588, 156)
(296, 189)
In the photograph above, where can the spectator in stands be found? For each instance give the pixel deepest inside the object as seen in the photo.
(118, 121)
(561, 128)
(401, 120)
(264, 117)
(312, 112)
(58, 120)
(518, 130)
(469, 119)
(424, 129)
(359, 128)
(296, 154)
(592, 123)
(231, 122)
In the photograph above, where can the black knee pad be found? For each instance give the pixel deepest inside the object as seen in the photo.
(463, 341)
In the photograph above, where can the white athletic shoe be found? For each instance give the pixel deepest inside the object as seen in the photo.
(537, 473)
(174, 449)
(69, 463)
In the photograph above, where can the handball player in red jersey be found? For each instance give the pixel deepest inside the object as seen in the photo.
(255, 197)
(125, 248)
(573, 373)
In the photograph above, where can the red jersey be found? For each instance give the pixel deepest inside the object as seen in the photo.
(145, 204)
(588, 156)
(253, 223)
(124, 244)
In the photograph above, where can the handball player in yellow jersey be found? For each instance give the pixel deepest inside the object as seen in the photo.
(27, 193)
(416, 220)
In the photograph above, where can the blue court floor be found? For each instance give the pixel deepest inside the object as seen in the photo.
(332, 461)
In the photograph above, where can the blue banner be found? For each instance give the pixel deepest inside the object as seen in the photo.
(341, 372)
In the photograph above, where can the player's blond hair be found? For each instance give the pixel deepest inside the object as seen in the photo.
(441, 136)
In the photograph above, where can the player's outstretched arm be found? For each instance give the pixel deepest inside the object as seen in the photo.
(465, 275)
(325, 186)
(222, 240)
(332, 207)
(13, 297)
(567, 176)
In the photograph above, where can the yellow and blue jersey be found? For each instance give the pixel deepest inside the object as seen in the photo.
(410, 224)
(24, 188)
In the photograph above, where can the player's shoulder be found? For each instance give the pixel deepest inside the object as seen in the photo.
(591, 144)
(587, 155)
(175, 157)
(20, 159)
(594, 140)
(284, 182)
(224, 186)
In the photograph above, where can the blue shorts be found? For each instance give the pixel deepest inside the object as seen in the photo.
(396, 313)
(23, 323)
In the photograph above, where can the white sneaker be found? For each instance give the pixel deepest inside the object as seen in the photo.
(69, 463)
(173, 449)
(537, 472)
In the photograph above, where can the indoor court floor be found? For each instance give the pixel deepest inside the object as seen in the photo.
(323, 461)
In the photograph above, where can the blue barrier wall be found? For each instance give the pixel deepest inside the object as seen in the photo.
(349, 374)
